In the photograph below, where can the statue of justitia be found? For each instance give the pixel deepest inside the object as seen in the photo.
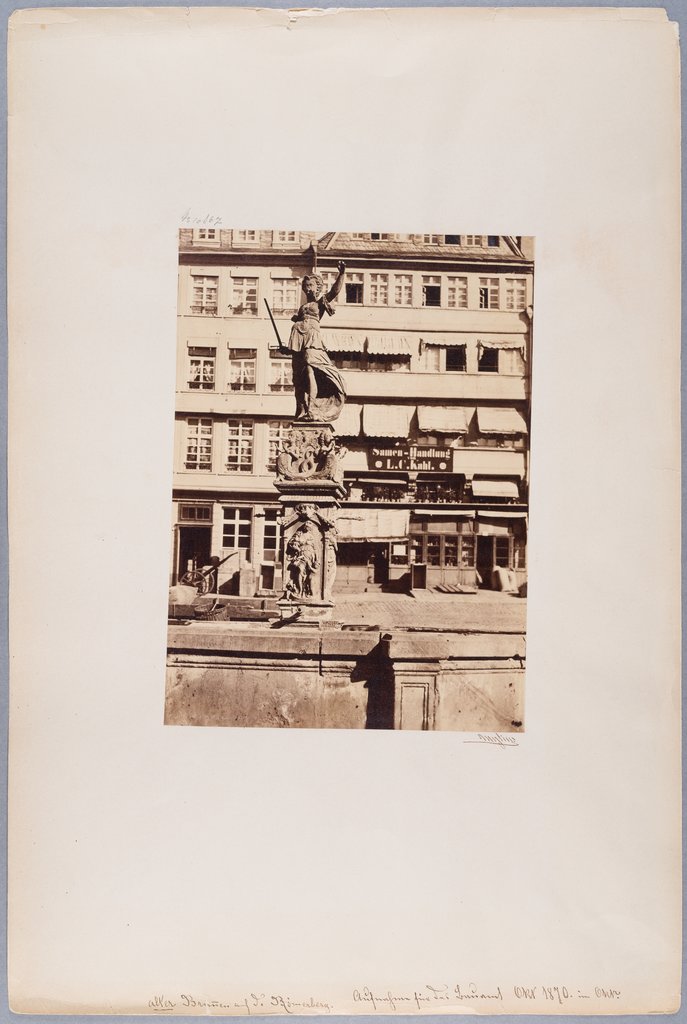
(320, 389)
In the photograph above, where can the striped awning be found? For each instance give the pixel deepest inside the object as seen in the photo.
(446, 340)
(387, 420)
(426, 513)
(443, 419)
(372, 524)
(516, 341)
(348, 423)
(388, 343)
(344, 341)
(500, 420)
(495, 489)
(492, 513)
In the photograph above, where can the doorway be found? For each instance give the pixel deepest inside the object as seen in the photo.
(485, 560)
(195, 543)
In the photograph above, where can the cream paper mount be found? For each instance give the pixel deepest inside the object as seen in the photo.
(162, 870)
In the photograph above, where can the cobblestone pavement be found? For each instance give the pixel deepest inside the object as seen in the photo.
(486, 610)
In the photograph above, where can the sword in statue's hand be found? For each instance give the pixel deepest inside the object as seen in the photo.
(282, 348)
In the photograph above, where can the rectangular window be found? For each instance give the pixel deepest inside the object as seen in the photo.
(451, 552)
(511, 362)
(242, 369)
(284, 236)
(416, 549)
(199, 443)
(195, 513)
(431, 290)
(271, 540)
(493, 241)
(456, 359)
(244, 297)
(201, 369)
(281, 376)
(204, 294)
(278, 430)
(516, 293)
(458, 292)
(236, 530)
(488, 360)
(519, 553)
(205, 235)
(488, 293)
(399, 553)
(329, 277)
(434, 550)
(431, 239)
(240, 446)
(473, 240)
(245, 236)
(502, 551)
(430, 359)
(386, 363)
(452, 239)
(286, 292)
(467, 551)
(354, 289)
(379, 289)
(403, 289)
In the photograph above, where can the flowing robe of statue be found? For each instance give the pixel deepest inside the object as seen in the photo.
(319, 387)
(309, 354)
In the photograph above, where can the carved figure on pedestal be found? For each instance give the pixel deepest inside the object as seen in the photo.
(302, 554)
(331, 547)
(320, 390)
(311, 544)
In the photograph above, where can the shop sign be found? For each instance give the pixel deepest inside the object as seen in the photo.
(414, 457)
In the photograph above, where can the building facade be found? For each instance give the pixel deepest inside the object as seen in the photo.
(433, 335)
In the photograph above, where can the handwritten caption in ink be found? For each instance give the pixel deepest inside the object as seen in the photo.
(380, 1001)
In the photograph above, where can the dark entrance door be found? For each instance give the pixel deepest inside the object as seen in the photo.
(485, 560)
(380, 560)
(194, 548)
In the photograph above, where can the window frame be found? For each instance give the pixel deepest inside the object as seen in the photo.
(250, 360)
(201, 423)
(489, 292)
(510, 287)
(243, 515)
(243, 308)
(205, 307)
(243, 440)
(286, 284)
(494, 354)
(432, 281)
(202, 354)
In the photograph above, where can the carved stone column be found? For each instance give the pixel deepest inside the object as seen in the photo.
(310, 485)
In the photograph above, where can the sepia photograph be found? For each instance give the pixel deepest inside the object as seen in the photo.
(350, 493)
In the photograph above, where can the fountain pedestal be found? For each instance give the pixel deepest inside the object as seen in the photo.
(310, 485)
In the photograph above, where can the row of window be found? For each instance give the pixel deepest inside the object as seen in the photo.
(283, 237)
(240, 450)
(450, 291)
(241, 369)
(454, 549)
(212, 235)
(481, 241)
